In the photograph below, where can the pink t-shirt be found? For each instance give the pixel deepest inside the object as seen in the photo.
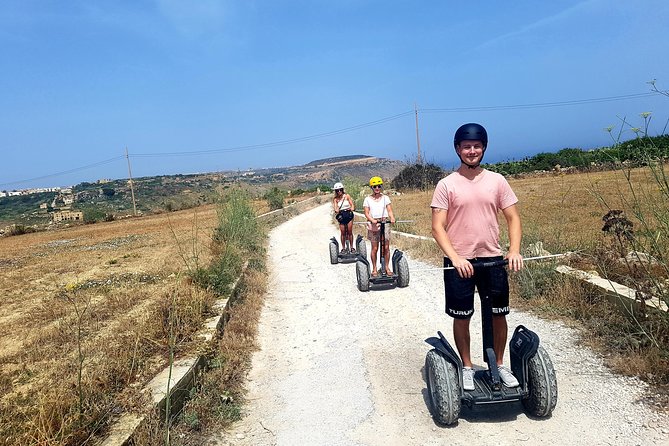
(472, 206)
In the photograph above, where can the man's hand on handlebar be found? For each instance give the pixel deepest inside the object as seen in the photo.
(515, 261)
(463, 267)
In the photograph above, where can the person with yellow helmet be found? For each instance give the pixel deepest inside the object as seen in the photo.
(344, 206)
(377, 208)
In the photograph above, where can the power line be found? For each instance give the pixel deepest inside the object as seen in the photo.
(65, 172)
(540, 104)
(275, 143)
(344, 130)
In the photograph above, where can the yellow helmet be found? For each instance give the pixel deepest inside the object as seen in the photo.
(375, 181)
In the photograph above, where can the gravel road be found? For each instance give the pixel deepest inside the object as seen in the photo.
(342, 367)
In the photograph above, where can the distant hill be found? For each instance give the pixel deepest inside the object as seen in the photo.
(325, 171)
(337, 159)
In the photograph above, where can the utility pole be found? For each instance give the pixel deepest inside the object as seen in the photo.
(132, 188)
(415, 108)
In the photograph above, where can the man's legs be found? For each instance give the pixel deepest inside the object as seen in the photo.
(462, 340)
(460, 306)
(500, 328)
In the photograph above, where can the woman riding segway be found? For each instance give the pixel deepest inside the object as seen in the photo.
(343, 207)
(377, 208)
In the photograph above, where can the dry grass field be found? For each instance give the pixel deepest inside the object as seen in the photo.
(81, 318)
(564, 211)
(90, 313)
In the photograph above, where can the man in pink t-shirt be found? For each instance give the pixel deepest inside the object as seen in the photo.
(465, 205)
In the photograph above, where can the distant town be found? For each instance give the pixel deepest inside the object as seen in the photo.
(39, 190)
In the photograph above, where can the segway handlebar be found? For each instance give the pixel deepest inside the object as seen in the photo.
(495, 263)
(388, 221)
(489, 264)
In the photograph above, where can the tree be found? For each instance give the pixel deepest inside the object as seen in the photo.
(418, 176)
(108, 191)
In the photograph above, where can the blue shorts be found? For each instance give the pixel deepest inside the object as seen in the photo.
(491, 281)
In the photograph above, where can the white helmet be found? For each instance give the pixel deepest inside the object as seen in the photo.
(337, 186)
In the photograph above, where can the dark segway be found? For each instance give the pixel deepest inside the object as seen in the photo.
(399, 276)
(530, 364)
(345, 255)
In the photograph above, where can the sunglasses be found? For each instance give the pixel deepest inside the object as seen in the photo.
(339, 190)
(377, 187)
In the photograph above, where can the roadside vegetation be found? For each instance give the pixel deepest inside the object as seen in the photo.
(238, 251)
(84, 327)
(632, 153)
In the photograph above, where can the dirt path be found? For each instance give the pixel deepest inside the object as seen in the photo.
(341, 367)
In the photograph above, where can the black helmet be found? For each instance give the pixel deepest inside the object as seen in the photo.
(471, 131)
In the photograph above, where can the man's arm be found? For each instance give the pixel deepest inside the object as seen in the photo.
(439, 221)
(515, 234)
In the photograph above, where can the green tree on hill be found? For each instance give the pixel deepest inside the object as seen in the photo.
(418, 176)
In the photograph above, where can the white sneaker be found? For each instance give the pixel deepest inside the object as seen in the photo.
(507, 377)
(468, 378)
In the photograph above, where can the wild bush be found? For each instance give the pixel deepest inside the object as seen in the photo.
(19, 230)
(418, 176)
(275, 197)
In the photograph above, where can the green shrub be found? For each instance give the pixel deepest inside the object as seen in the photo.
(237, 224)
(20, 230)
(418, 176)
(93, 215)
(275, 198)
(237, 236)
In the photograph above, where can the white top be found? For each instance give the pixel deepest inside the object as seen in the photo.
(377, 208)
(343, 204)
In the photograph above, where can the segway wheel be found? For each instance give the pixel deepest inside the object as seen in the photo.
(542, 385)
(361, 248)
(403, 272)
(443, 385)
(362, 274)
(334, 255)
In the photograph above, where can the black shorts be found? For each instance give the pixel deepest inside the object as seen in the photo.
(491, 281)
(345, 216)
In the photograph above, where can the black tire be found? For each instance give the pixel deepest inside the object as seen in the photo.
(334, 254)
(403, 272)
(443, 386)
(362, 274)
(362, 249)
(542, 384)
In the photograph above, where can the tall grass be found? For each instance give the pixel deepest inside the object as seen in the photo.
(632, 248)
(356, 191)
(238, 237)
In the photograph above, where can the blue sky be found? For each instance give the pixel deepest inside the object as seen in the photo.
(82, 80)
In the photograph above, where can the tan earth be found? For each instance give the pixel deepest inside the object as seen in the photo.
(340, 367)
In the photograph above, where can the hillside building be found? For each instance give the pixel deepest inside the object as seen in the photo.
(67, 215)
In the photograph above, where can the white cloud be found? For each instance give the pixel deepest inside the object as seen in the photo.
(560, 16)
